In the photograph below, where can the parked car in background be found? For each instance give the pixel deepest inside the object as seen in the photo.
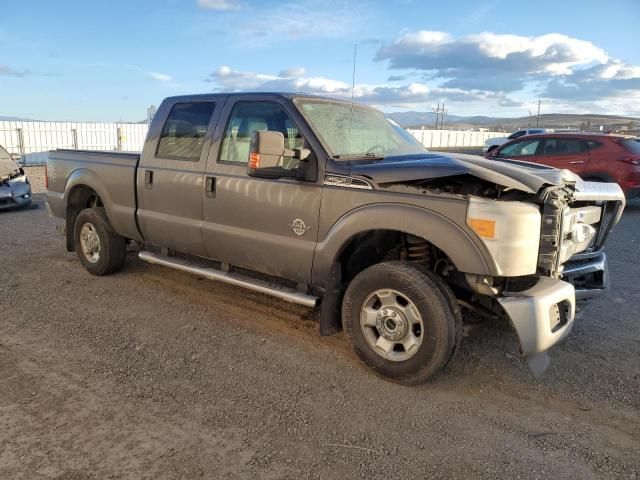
(594, 156)
(493, 143)
(15, 190)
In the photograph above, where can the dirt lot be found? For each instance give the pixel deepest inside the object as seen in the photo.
(150, 373)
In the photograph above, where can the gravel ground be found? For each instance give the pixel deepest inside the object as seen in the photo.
(150, 373)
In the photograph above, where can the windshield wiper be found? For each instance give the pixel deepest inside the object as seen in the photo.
(359, 156)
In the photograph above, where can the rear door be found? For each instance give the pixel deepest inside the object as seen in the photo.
(170, 178)
(267, 225)
(564, 152)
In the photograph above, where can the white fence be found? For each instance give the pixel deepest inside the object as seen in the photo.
(33, 140)
(453, 138)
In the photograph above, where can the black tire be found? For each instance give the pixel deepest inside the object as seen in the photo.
(437, 306)
(112, 247)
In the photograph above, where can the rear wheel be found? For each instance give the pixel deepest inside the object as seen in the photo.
(100, 249)
(401, 321)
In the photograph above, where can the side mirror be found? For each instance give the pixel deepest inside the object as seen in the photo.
(265, 155)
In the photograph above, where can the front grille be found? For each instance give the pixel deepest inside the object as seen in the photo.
(573, 229)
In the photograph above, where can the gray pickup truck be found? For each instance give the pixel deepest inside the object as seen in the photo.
(328, 204)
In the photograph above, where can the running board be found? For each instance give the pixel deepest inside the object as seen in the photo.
(288, 294)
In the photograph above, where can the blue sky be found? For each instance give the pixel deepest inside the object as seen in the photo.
(106, 61)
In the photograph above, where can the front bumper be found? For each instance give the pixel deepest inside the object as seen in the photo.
(7, 203)
(588, 274)
(542, 316)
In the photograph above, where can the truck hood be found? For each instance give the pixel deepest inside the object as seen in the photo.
(524, 176)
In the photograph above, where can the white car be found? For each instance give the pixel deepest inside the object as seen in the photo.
(492, 143)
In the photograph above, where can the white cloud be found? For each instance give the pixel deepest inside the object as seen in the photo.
(474, 61)
(292, 72)
(161, 77)
(613, 85)
(556, 66)
(288, 80)
(383, 95)
(219, 4)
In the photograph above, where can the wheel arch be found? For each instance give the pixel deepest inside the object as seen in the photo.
(468, 255)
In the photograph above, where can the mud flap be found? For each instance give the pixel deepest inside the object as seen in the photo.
(330, 310)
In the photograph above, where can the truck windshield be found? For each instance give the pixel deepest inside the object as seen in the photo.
(353, 132)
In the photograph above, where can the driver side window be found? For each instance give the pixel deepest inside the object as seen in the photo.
(249, 117)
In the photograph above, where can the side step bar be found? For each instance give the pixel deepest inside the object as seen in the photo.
(288, 294)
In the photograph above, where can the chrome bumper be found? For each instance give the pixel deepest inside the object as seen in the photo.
(588, 275)
(542, 316)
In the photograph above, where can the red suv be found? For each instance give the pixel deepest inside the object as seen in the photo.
(593, 156)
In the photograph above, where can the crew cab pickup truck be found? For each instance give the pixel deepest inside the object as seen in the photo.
(328, 204)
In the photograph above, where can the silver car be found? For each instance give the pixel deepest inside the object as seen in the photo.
(15, 190)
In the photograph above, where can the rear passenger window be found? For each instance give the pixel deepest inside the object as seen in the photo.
(564, 146)
(183, 133)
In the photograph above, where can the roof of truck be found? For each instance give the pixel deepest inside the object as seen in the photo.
(288, 95)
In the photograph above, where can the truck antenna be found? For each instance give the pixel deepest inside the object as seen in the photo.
(353, 87)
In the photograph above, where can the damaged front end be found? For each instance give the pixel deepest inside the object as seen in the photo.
(545, 229)
(15, 190)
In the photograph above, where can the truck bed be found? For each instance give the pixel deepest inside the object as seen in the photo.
(112, 175)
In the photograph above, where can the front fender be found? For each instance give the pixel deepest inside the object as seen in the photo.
(466, 252)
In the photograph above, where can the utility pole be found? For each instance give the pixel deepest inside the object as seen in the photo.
(538, 117)
(440, 113)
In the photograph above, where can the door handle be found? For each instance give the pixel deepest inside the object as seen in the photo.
(210, 187)
(577, 161)
(148, 178)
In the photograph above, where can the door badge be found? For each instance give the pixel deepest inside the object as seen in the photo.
(299, 227)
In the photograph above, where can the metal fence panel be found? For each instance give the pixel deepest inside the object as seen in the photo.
(34, 140)
(452, 138)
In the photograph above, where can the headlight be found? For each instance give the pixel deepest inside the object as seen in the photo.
(510, 231)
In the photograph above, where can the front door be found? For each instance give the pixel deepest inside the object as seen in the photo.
(170, 178)
(266, 225)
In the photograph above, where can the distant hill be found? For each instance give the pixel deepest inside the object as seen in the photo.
(14, 119)
(549, 120)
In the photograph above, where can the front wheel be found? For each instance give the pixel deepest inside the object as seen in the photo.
(100, 249)
(401, 321)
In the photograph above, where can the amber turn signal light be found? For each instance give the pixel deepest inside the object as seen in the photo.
(254, 160)
(484, 228)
